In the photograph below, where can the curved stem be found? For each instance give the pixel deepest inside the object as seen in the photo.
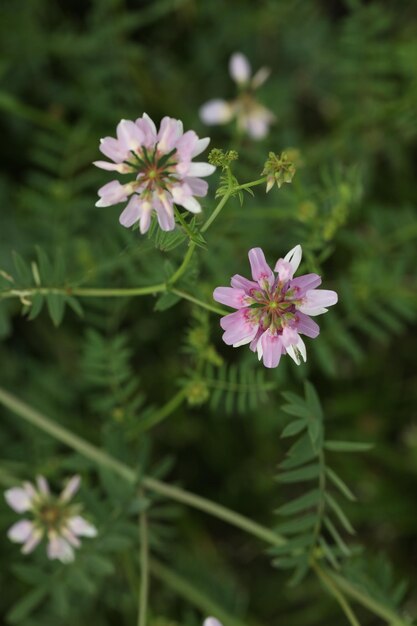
(337, 594)
(180, 271)
(204, 305)
(253, 183)
(181, 495)
(160, 414)
(144, 567)
(216, 211)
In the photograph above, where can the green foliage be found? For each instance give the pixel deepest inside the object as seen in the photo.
(315, 520)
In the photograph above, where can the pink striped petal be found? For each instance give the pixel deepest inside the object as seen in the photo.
(235, 298)
(261, 272)
(316, 301)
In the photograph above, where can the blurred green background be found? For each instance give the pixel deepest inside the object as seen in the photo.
(344, 90)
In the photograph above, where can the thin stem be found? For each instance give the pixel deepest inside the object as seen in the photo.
(144, 567)
(185, 497)
(204, 305)
(180, 271)
(212, 508)
(337, 594)
(160, 414)
(253, 183)
(193, 595)
(94, 292)
(370, 603)
(216, 211)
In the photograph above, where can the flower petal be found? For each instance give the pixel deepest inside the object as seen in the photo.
(316, 301)
(271, 349)
(132, 212)
(70, 488)
(32, 541)
(261, 271)
(200, 170)
(200, 146)
(235, 298)
(240, 282)
(297, 351)
(21, 531)
(239, 328)
(43, 485)
(304, 283)
(79, 526)
(239, 68)
(216, 111)
(59, 548)
(307, 326)
(212, 621)
(18, 499)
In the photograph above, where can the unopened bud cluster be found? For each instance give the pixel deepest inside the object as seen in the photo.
(278, 170)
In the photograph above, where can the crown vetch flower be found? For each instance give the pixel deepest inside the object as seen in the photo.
(251, 116)
(51, 516)
(272, 311)
(161, 168)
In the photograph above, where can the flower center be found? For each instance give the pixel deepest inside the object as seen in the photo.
(154, 170)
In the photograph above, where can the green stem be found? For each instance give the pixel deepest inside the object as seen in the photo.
(144, 567)
(216, 211)
(370, 603)
(193, 595)
(337, 594)
(253, 183)
(204, 305)
(162, 413)
(185, 497)
(180, 271)
(95, 292)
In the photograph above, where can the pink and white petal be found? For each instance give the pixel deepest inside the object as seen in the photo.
(129, 135)
(148, 128)
(198, 186)
(32, 541)
(122, 168)
(239, 68)
(169, 133)
(297, 351)
(271, 349)
(18, 499)
(200, 170)
(131, 213)
(306, 325)
(69, 536)
(257, 126)
(165, 214)
(304, 283)
(59, 548)
(235, 298)
(254, 343)
(112, 193)
(113, 149)
(212, 621)
(145, 218)
(217, 111)
(289, 336)
(43, 485)
(149, 123)
(294, 257)
(21, 531)
(70, 488)
(240, 282)
(261, 271)
(79, 526)
(200, 146)
(186, 144)
(316, 301)
(284, 270)
(260, 77)
(239, 328)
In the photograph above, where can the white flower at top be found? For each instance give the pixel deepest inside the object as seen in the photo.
(251, 116)
(161, 168)
(212, 621)
(52, 516)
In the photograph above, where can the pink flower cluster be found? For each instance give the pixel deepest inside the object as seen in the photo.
(52, 516)
(160, 163)
(272, 311)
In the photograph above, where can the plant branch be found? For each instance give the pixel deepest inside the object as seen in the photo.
(144, 567)
(204, 305)
(160, 414)
(337, 594)
(185, 497)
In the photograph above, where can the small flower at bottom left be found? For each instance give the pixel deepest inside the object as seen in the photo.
(53, 517)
